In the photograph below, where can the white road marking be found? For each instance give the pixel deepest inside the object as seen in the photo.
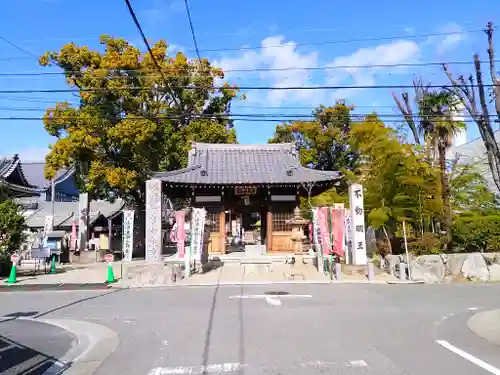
(478, 362)
(264, 296)
(273, 301)
(473, 308)
(208, 369)
(235, 366)
(358, 363)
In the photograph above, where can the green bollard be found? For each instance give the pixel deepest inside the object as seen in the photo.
(12, 277)
(111, 276)
(53, 265)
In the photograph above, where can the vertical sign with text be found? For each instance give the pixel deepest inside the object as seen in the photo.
(128, 235)
(180, 217)
(358, 241)
(47, 228)
(83, 212)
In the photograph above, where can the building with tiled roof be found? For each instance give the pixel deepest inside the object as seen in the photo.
(250, 192)
(64, 182)
(474, 153)
(14, 180)
(234, 164)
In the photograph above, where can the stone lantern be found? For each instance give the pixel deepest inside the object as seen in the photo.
(297, 223)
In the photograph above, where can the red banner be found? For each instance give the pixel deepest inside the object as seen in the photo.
(324, 233)
(179, 222)
(338, 229)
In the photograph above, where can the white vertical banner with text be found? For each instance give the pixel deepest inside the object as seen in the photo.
(348, 237)
(47, 228)
(357, 213)
(128, 235)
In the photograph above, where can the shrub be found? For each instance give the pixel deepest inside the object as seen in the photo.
(477, 233)
(429, 243)
(12, 226)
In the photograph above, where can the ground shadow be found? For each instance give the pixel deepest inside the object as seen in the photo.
(16, 358)
(25, 314)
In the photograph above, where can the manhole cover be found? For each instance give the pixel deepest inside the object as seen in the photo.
(278, 293)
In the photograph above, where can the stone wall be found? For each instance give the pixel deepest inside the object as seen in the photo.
(450, 267)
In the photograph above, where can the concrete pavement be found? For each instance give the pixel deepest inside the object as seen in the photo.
(283, 329)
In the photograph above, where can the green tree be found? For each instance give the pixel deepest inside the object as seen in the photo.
(469, 193)
(438, 127)
(12, 226)
(399, 183)
(132, 120)
(322, 143)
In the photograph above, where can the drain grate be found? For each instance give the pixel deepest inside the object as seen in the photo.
(276, 293)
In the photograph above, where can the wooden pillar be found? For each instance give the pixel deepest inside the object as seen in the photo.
(269, 242)
(222, 230)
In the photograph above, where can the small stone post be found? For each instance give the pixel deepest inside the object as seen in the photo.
(402, 271)
(371, 271)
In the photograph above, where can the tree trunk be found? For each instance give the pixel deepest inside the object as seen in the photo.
(445, 191)
(389, 245)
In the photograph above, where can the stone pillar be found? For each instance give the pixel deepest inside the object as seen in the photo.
(153, 220)
(83, 216)
(356, 207)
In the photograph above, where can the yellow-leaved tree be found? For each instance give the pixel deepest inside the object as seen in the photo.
(132, 119)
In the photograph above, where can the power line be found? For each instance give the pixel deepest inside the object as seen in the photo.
(257, 88)
(330, 67)
(18, 48)
(233, 118)
(341, 41)
(139, 28)
(328, 42)
(284, 115)
(192, 31)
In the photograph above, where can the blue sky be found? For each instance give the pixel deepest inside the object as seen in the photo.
(41, 25)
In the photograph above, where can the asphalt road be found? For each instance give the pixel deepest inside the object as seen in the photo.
(31, 348)
(315, 329)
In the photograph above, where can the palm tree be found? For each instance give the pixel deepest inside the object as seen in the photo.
(438, 128)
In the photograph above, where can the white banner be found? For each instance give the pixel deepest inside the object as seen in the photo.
(47, 228)
(317, 247)
(128, 235)
(356, 206)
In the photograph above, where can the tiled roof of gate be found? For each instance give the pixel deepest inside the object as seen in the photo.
(232, 164)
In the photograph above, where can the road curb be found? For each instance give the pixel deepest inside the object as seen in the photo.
(256, 283)
(486, 325)
(95, 343)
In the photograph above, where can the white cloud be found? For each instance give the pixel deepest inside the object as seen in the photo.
(397, 52)
(287, 56)
(447, 43)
